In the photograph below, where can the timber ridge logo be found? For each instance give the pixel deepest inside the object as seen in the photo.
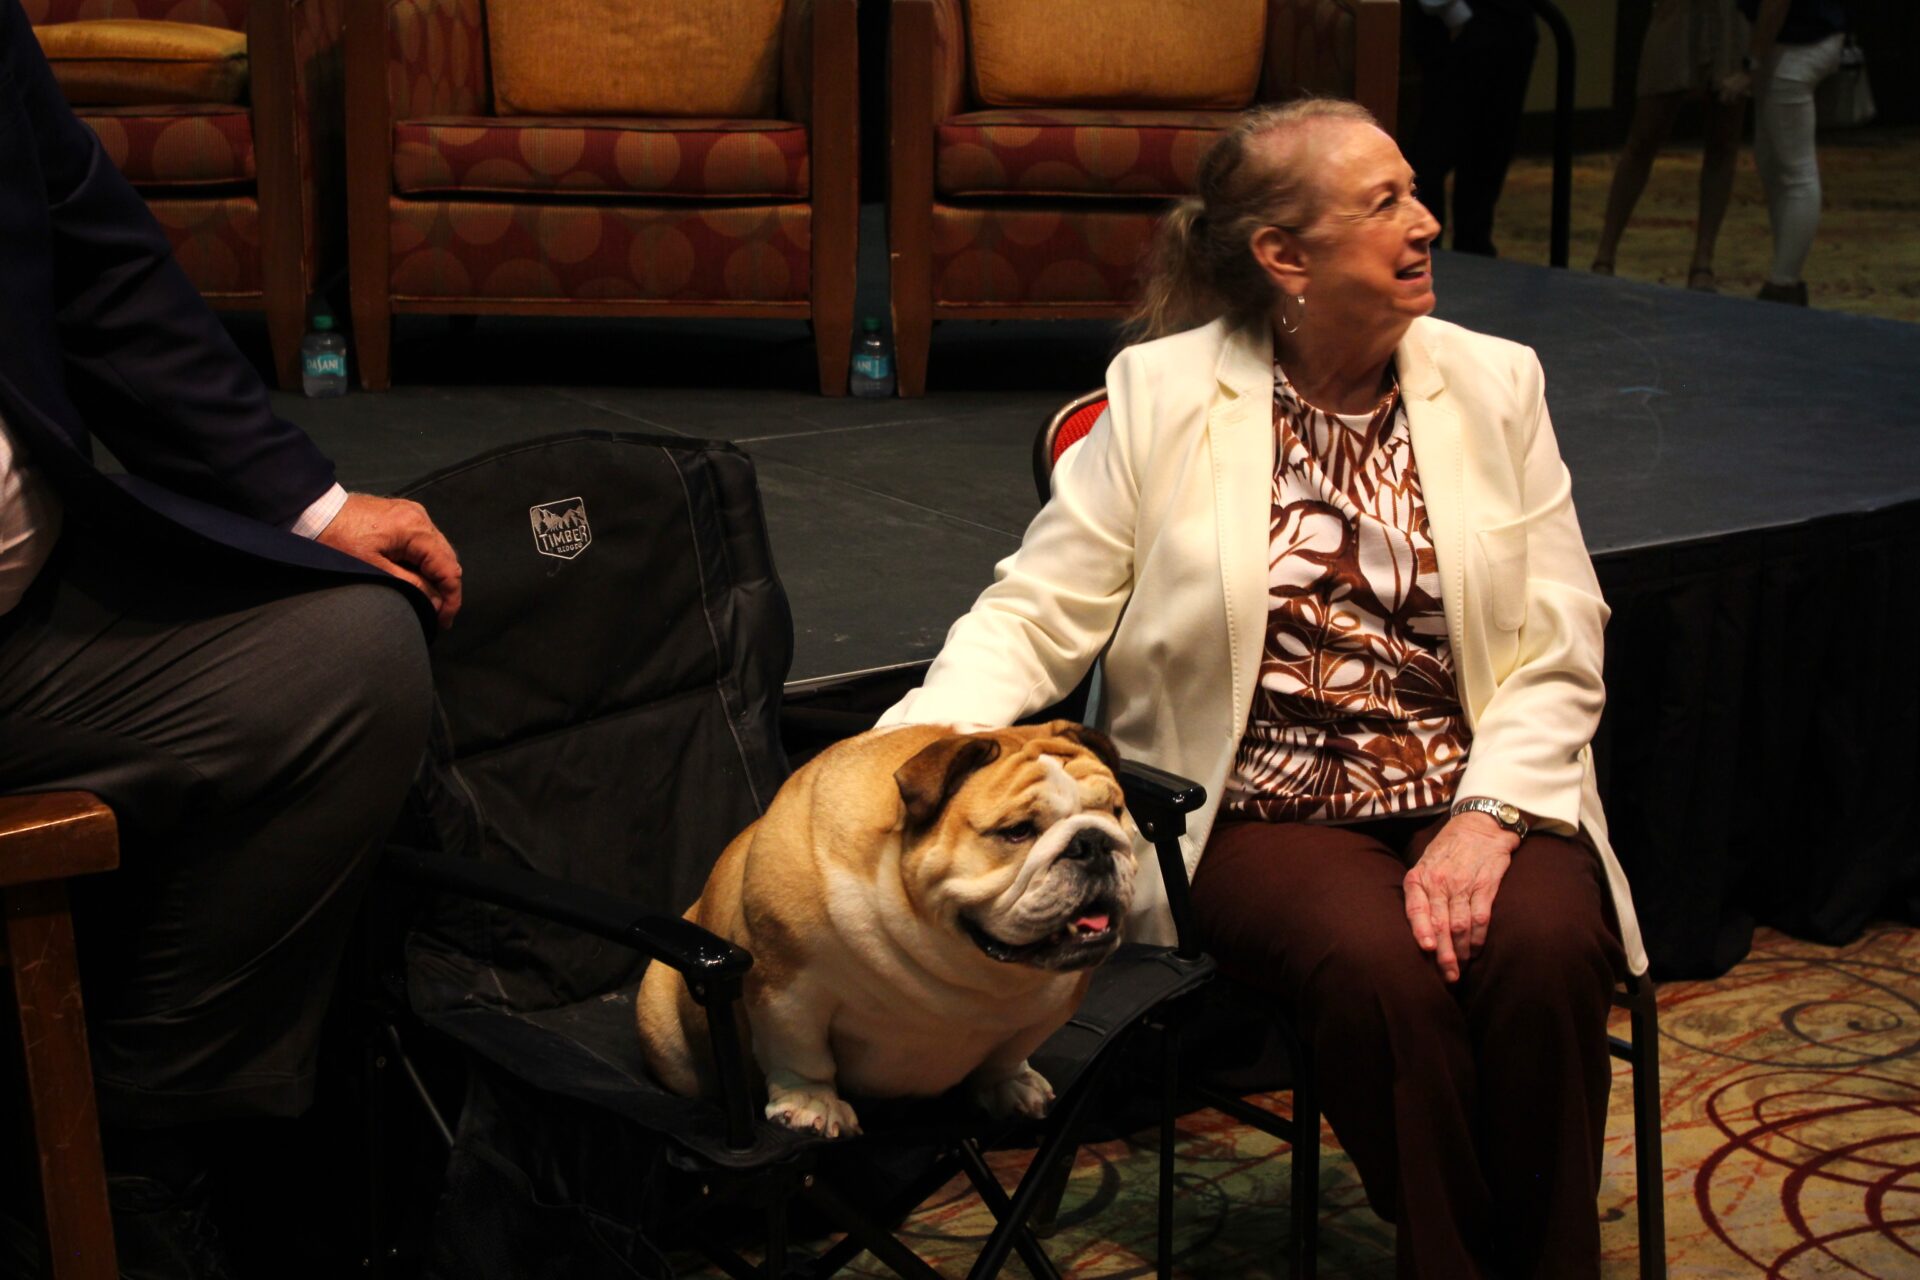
(560, 528)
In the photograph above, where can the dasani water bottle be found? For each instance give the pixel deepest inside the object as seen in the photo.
(872, 361)
(323, 360)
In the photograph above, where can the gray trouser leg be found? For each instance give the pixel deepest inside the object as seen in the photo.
(255, 745)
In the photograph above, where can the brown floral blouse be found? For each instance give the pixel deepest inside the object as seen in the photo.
(1356, 714)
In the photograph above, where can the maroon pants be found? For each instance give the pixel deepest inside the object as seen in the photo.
(1474, 1112)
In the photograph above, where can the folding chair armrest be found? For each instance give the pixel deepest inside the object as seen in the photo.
(1160, 802)
(676, 942)
(1154, 795)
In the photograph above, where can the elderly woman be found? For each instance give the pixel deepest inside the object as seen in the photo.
(1327, 548)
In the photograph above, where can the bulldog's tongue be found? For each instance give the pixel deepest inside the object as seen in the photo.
(1095, 923)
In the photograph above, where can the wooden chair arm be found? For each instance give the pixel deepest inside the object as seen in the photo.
(55, 835)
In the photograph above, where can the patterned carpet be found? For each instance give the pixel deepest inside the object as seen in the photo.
(1866, 259)
(1792, 1132)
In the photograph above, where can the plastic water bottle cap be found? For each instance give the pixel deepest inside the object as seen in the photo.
(323, 322)
(871, 324)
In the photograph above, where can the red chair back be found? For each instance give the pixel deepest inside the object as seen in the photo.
(1063, 431)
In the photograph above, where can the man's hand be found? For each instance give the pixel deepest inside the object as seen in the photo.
(396, 535)
(1450, 890)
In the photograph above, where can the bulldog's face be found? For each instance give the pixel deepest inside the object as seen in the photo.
(1015, 840)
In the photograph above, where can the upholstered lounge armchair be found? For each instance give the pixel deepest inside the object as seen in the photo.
(247, 189)
(1035, 143)
(600, 157)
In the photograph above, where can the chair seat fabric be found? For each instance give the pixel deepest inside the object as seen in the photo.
(556, 250)
(1073, 151)
(590, 1051)
(1086, 254)
(176, 146)
(216, 240)
(697, 158)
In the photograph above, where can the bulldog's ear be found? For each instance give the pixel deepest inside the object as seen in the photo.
(1092, 739)
(929, 780)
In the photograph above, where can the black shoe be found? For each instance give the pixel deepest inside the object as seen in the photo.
(163, 1231)
(1794, 295)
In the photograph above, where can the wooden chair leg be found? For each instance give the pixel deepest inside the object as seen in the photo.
(286, 326)
(910, 286)
(373, 341)
(833, 343)
(912, 338)
(59, 1075)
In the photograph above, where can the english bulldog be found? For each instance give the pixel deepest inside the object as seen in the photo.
(924, 908)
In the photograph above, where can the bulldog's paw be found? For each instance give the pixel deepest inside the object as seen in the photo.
(812, 1109)
(1024, 1093)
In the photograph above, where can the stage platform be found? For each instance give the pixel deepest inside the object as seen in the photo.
(1682, 416)
(1748, 477)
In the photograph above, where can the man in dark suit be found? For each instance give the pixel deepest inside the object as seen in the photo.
(221, 642)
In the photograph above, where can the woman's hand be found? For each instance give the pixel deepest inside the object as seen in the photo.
(1450, 890)
(1735, 85)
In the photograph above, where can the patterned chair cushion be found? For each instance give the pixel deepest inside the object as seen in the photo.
(618, 57)
(1026, 256)
(452, 249)
(216, 241)
(168, 147)
(706, 158)
(1073, 152)
(1164, 53)
(130, 61)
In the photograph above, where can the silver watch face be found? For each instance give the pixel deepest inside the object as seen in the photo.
(1508, 815)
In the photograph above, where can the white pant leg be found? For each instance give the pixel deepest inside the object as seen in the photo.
(1783, 148)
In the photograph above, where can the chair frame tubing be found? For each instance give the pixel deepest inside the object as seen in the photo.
(1642, 1054)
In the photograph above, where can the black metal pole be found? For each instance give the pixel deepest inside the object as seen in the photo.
(1563, 76)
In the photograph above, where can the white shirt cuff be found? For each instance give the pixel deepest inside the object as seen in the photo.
(320, 513)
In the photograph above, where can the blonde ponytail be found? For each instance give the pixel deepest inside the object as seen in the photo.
(1179, 293)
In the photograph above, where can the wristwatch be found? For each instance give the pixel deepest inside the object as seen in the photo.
(1499, 810)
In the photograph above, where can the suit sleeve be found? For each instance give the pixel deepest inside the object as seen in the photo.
(1054, 602)
(1528, 742)
(147, 364)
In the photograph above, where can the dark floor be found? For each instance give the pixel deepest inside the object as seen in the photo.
(1681, 415)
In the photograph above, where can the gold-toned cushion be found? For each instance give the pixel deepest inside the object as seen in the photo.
(134, 62)
(636, 57)
(1199, 54)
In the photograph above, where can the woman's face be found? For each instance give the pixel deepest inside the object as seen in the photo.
(1366, 261)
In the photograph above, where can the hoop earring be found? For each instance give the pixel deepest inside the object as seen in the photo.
(1300, 298)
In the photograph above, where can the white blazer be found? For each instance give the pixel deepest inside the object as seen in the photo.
(1153, 554)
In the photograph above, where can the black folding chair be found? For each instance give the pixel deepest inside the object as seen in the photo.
(609, 718)
(1227, 1091)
